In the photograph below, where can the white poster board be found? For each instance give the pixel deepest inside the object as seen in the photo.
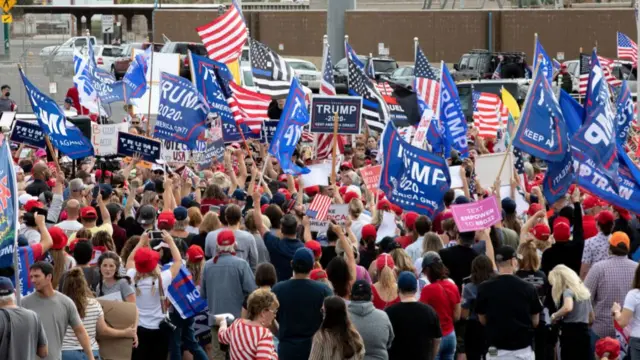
(487, 167)
(104, 138)
(319, 175)
(337, 212)
(169, 63)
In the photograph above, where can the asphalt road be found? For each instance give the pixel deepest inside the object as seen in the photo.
(26, 53)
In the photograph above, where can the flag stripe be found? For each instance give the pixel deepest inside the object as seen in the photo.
(248, 106)
(320, 207)
(225, 36)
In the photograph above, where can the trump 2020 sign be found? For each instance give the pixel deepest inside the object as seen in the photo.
(324, 108)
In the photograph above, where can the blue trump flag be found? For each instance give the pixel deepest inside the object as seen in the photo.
(412, 178)
(572, 111)
(64, 135)
(542, 131)
(624, 113)
(594, 145)
(558, 178)
(184, 295)
(543, 61)
(212, 78)
(295, 116)
(353, 56)
(451, 115)
(182, 113)
(135, 79)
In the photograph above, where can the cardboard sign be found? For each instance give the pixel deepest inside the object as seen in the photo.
(323, 109)
(476, 216)
(173, 152)
(104, 138)
(319, 174)
(28, 133)
(129, 145)
(337, 212)
(487, 167)
(119, 315)
(269, 128)
(371, 176)
(420, 137)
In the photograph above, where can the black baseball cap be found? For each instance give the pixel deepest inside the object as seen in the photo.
(361, 291)
(147, 215)
(505, 253)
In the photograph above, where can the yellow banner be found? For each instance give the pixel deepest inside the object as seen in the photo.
(234, 67)
(511, 104)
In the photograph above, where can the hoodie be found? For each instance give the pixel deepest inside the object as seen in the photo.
(374, 327)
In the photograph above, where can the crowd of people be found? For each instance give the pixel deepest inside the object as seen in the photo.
(559, 281)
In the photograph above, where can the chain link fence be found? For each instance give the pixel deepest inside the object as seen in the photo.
(44, 44)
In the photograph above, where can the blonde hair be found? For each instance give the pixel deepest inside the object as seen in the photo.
(355, 208)
(59, 265)
(431, 242)
(250, 224)
(210, 222)
(155, 274)
(221, 179)
(195, 216)
(402, 260)
(387, 279)
(562, 278)
(528, 259)
(259, 301)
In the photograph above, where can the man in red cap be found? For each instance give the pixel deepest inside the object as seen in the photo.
(89, 217)
(226, 282)
(409, 220)
(597, 248)
(246, 247)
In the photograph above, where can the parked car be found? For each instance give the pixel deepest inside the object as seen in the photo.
(382, 66)
(106, 55)
(405, 76)
(121, 64)
(517, 87)
(307, 72)
(58, 59)
(183, 48)
(481, 64)
(622, 69)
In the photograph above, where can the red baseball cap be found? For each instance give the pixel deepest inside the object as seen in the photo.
(624, 213)
(166, 220)
(89, 213)
(263, 208)
(346, 165)
(561, 229)
(33, 204)
(226, 238)
(350, 195)
(384, 260)
(286, 193)
(315, 247)
(59, 238)
(590, 202)
(369, 231)
(608, 347)
(410, 219)
(605, 217)
(317, 274)
(384, 205)
(541, 231)
(194, 253)
(396, 209)
(312, 190)
(146, 259)
(533, 209)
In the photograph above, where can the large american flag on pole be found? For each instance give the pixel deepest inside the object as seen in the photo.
(427, 85)
(225, 36)
(248, 107)
(627, 48)
(271, 73)
(374, 108)
(324, 142)
(607, 71)
(585, 69)
(319, 207)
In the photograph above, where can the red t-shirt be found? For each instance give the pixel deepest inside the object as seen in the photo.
(379, 303)
(405, 241)
(442, 296)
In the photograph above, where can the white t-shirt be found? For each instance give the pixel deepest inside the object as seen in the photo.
(149, 309)
(632, 302)
(32, 235)
(70, 227)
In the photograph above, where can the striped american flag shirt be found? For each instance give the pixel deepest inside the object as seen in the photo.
(248, 341)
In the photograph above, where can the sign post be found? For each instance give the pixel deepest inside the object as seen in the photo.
(6, 20)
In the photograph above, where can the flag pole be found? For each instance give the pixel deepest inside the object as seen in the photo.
(579, 64)
(515, 128)
(325, 44)
(150, 90)
(415, 48)
(637, 8)
(334, 146)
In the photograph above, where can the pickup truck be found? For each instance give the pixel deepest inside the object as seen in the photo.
(59, 58)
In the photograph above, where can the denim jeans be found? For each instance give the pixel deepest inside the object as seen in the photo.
(593, 339)
(634, 348)
(78, 355)
(447, 347)
(184, 338)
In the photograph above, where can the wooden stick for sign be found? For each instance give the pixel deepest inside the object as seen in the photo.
(53, 152)
(244, 140)
(334, 146)
(150, 89)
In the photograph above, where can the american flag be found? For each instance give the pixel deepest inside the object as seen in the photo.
(324, 142)
(519, 164)
(225, 36)
(352, 55)
(607, 71)
(627, 48)
(496, 72)
(374, 109)
(426, 84)
(271, 73)
(487, 113)
(383, 87)
(585, 69)
(319, 207)
(248, 106)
